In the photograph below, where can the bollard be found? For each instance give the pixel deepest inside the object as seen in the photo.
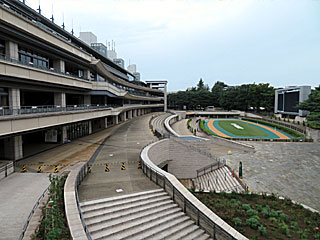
(123, 167)
(107, 168)
(56, 170)
(39, 169)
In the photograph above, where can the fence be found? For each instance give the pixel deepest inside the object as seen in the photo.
(188, 203)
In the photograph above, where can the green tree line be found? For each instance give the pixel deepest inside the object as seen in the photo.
(243, 97)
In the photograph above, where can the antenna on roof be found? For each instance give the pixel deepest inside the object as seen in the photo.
(63, 21)
(39, 9)
(72, 32)
(24, 1)
(52, 18)
(112, 45)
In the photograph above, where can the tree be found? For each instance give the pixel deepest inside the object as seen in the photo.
(217, 91)
(312, 104)
(200, 85)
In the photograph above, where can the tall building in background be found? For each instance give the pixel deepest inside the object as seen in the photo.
(132, 68)
(119, 61)
(88, 37)
(100, 48)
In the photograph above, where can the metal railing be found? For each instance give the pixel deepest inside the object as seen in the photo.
(6, 167)
(80, 176)
(32, 212)
(30, 64)
(200, 218)
(23, 110)
(220, 163)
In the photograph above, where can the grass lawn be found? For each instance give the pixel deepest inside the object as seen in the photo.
(263, 217)
(248, 130)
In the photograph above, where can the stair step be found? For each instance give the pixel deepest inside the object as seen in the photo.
(127, 230)
(179, 231)
(133, 218)
(82, 204)
(97, 219)
(194, 234)
(121, 201)
(123, 207)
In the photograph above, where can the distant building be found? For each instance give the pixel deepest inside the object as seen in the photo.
(100, 48)
(88, 37)
(132, 68)
(119, 61)
(112, 54)
(287, 99)
(137, 76)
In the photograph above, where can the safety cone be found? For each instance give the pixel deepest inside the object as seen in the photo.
(232, 173)
(39, 169)
(56, 170)
(24, 169)
(139, 164)
(123, 167)
(89, 169)
(107, 168)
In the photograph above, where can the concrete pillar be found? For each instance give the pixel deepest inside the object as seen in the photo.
(13, 148)
(90, 127)
(12, 50)
(124, 114)
(165, 98)
(105, 122)
(59, 65)
(64, 134)
(87, 100)
(87, 74)
(130, 114)
(60, 99)
(134, 113)
(14, 100)
(116, 119)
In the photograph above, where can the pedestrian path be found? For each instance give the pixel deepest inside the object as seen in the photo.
(18, 194)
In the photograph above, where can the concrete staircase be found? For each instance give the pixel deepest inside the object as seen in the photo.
(144, 215)
(219, 180)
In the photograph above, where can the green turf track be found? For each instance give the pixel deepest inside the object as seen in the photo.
(248, 130)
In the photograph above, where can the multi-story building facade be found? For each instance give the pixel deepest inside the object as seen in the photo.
(55, 88)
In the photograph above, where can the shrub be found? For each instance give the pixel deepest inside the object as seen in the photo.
(273, 219)
(293, 225)
(252, 222)
(265, 212)
(284, 229)
(246, 206)
(262, 230)
(273, 213)
(283, 216)
(259, 207)
(237, 222)
(252, 212)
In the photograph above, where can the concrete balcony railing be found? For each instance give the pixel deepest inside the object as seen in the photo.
(24, 110)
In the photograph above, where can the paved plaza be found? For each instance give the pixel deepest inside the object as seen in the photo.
(124, 145)
(18, 194)
(288, 169)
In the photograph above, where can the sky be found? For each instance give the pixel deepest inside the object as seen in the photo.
(233, 41)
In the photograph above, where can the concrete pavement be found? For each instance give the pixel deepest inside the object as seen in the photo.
(18, 194)
(123, 145)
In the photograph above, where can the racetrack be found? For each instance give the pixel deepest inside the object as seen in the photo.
(235, 128)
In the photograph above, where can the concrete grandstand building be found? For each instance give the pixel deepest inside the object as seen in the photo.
(55, 88)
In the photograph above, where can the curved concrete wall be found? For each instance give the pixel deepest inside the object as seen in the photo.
(223, 226)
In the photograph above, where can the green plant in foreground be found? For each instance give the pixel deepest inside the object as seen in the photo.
(246, 206)
(284, 229)
(253, 222)
(293, 225)
(262, 230)
(237, 221)
(265, 212)
(252, 212)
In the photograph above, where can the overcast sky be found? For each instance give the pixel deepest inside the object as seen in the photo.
(234, 41)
